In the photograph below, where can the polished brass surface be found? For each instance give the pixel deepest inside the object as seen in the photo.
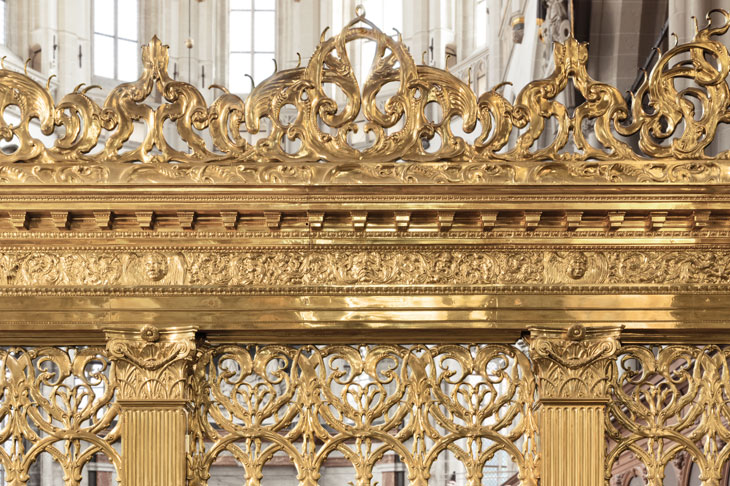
(297, 105)
(669, 404)
(364, 401)
(305, 296)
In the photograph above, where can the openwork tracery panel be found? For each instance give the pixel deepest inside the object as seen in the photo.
(56, 402)
(361, 402)
(670, 408)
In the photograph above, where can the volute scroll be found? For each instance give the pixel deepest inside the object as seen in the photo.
(310, 114)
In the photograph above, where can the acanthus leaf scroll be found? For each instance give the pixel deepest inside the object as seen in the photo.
(152, 364)
(395, 118)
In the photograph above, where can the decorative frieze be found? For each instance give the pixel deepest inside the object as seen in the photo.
(292, 267)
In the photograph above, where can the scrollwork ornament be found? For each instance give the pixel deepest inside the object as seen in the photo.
(308, 402)
(304, 126)
(60, 402)
(667, 404)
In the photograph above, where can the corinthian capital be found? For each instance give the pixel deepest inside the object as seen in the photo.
(152, 364)
(573, 364)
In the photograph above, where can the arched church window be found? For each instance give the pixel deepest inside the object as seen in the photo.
(115, 39)
(252, 42)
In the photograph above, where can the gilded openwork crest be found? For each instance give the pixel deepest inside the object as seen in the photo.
(308, 114)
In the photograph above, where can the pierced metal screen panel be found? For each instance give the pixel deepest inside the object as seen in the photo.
(376, 410)
(391, 414)
(58, 416)
(668, 419)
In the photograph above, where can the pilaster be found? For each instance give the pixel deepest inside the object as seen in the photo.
(152, 367)
(572, 369)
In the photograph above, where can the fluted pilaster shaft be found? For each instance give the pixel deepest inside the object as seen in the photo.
(573, 369)
(152, 369)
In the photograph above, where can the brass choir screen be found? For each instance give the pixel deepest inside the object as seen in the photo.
(515, 291)
(362, 402)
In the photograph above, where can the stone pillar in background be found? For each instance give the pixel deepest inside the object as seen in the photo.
(299, 30)
(680, 12)
(416, 33)
(681, 24)
(152, 368)
(495, 69)
(573, 369)
(73, 37)
(441, 28)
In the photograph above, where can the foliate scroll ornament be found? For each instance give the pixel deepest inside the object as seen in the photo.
(690, 95)
(667, 406)
(536, 104)
(311, 114)
(186, 107)
(575, 363)
(152, 364)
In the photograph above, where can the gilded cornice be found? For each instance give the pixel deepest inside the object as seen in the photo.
(621, 216)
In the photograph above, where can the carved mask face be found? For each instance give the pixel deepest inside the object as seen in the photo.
(155, 266)
(577, 266)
